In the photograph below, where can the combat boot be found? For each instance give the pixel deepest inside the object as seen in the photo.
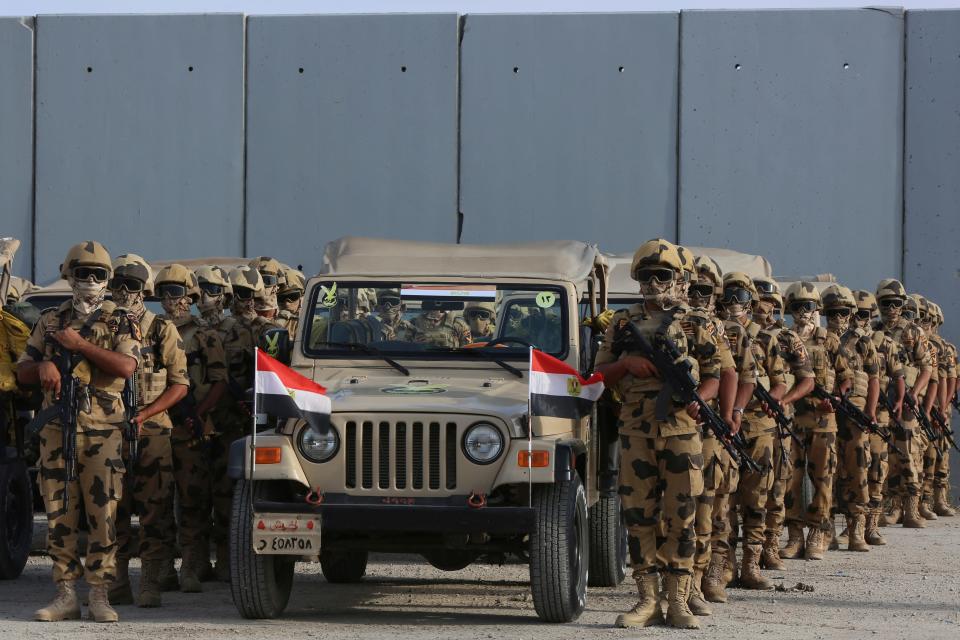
(647, 611)
(713, 585)
(941, 505)
(730, 567)
(814, 546)
(697, 603)
(855, 533)
(872, 533)
(168, 576)
(770, 557)
(64, 606)
(678, 612)
(750, 576)
(222, 568)
(895, 513)
(925, 511)
(100, 609)
(150, 583)
(120, 591)
(189, 580)
(794, 546)
(911, 514)
(831, 537)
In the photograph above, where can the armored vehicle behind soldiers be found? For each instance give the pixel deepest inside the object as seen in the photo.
(16, 493)
(431, 449)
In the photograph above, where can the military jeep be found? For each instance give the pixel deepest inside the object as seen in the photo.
(431, 448)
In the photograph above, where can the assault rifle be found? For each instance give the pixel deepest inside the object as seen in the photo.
(131, 432)
(922, 418)
(941, 423)
(678, 381)
(853, 414)
(784, 423)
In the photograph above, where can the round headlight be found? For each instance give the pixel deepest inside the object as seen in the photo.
(316, 446)
(482, 443)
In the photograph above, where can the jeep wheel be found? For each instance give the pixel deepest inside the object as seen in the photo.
(340, 567)
(260, 584)
(608, 543)
(16, 516)
(559, 551)
(451, 559)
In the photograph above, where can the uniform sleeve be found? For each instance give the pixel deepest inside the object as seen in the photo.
(920, 356)
(725, 355)
(215, 356)
(776, 367)
(173, 355)
(795, 354)
(952, 365)
(706, 352)
(33, 352)
(739, 343)
(894, 364)
(840, 363)
(605, 352)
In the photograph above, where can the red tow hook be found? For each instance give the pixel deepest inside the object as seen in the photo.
(477, 500)
(314, 497)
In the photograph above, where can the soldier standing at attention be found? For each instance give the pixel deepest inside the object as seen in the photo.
(661, 466)
(948, 391)
(85, 339)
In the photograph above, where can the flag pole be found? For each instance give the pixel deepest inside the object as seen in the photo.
(253, 434)
(529, 435)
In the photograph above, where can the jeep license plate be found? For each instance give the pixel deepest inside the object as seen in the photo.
(286, 534)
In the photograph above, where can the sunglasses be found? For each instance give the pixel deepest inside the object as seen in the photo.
(735, 295)
(701, 290)
(660, 274)
(909, 314)
(269, 279)
(803, 305)
(483, 315)
(765, 287)
(864, 314)
(131, 285)
(85, 273)
(895, 303)
(290, 297)
(171, 290)
(211, 289)
(243, 293)
(837, 313)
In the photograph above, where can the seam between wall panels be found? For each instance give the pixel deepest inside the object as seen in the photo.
(679, 85)
(903, 150)
(461, 29)
(244, 214)
(33, 137)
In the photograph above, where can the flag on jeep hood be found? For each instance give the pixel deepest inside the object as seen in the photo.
(558, 391)
(284, 393)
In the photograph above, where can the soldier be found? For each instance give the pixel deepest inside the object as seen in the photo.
(941, 477)
(192, 427)
(98, 347)
(891, 373)
(766, 313)
(481, 318)
(936, 448)
(904, 477)
(271, 271)
(390, 311)
(290, 298)
(661, 465)
(857, 348)
(816, 425)
(438, 327)
(160, 382)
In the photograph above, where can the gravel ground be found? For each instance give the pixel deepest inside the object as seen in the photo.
(910, 588)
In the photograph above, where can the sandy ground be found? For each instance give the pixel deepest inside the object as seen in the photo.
(910, 588)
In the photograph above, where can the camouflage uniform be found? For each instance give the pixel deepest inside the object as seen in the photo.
(936, 465)
(99, 479)
(888, 353)
(451, 333)
(941, 477)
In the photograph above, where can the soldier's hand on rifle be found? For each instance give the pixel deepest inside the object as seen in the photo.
(69, 339)
(736, 418)
(693, 410)
(898, 410)
(639, 367)
(49, 377)
(826, 406)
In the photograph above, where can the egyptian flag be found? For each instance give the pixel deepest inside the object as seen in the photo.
(558, 391)
(284, 393)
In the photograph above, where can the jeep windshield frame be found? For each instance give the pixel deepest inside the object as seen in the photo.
(353, 312)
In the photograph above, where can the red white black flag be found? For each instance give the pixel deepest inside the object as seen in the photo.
(284, 393)
(558, 391)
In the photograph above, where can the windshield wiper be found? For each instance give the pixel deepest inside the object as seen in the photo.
(478, 351)
(367, 349)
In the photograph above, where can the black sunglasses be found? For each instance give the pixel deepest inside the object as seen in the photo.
(131, 285)
(85, 273)
(701, 290)
(243, 293)
(269, 279)
(864, 314)
(835, 313)
(896, 303)
(660, 274)
(803, 305)
(290, 297)
(735, 295)
(171, 290)
(211, 288)
(765, 287)
(909, 314)
(484, 315)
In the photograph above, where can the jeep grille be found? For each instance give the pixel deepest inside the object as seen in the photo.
(403, 454)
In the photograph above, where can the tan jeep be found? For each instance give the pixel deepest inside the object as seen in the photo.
(431, 450)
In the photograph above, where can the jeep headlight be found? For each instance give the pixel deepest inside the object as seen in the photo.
(316, 446)
(482, 443)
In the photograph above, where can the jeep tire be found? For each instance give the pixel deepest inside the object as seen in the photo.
(260, 584)
(341, 567)
(608, 543)
(559, 550)
(16, 516)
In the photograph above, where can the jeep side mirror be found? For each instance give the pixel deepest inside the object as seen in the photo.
(275, 342)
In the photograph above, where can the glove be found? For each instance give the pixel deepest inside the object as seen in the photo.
(601, 321)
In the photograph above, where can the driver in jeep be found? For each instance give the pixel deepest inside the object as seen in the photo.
(437, 326)
(481, 317)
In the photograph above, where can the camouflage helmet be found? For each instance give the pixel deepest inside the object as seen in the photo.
(866, 301)
(708, 271)
(802, 292)
(768, 289)
(212, 275)
(688, 263)
(915, 304)
(268, 267)
(18, 287)
(246, 278)
(656, 253)
(86, 254)
(890, 288)
(837, 296)
(179, 274)
(937, 313)
(225, 276)
(130, 265)
(742, 281)
(291, 280)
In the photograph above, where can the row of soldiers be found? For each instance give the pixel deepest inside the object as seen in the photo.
(849, 409)
(158, 400)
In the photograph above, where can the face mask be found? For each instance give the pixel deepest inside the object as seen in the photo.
(176, 308)
(701, 303)
(838, 323)
(132, 301)
(479, 326)
(802, 318)
(268, 302)
(88, 295)
(390, 312)
(890, 314)
(662, 294)
(763, 314)
(735, 310)
(243, 308)
(210, 304)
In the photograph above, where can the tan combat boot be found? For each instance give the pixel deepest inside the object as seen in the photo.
(750, 576)
(814, 546)
(894, 514)
(100, 609)
(222, 568)
(150, 583)
(770, 557)
(926, 511)
(730, 566)
(855, 533)
(697, 603)
(794, 546)
(712, 586)
(872, 533)
(678, 612)
(941, 504)
(189, 578)
(911, 514)
(64, 606)
(168, 579)
(120, 591)
(647, 611)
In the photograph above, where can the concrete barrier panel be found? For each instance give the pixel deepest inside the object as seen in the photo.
(568, 128)
(791, 138)
(139, 135)
(351, 130)
(16, 137)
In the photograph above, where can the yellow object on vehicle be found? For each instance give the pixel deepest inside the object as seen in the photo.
(13, 340)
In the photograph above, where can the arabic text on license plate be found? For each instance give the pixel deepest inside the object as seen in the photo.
(286, 544)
